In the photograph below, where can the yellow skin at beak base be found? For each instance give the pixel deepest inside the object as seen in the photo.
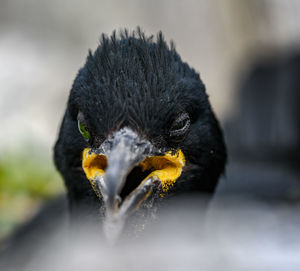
(93, 164)
(167, 168)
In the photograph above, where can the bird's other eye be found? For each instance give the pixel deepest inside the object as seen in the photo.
(180, 127)
(81, 127)
(84, 132)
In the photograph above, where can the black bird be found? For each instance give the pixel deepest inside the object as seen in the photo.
(138, 128)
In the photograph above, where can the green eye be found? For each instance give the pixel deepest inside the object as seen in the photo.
(84, 132)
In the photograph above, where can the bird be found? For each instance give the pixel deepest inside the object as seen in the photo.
(137, 133)
(138, 130)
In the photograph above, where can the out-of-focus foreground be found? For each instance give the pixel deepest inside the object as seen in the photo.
(247, 53)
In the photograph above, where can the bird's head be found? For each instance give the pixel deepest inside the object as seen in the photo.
(138, 126)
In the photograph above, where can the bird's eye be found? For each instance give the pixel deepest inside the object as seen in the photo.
(180, 127)
(84, 132)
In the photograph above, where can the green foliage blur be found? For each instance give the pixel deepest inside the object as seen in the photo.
(26, 181)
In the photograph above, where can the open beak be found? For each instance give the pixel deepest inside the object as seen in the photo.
(126, 169)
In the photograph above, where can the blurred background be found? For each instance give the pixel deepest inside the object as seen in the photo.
(247, 54)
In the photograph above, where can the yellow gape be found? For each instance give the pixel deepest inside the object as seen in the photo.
(93, 165)
(166, 168)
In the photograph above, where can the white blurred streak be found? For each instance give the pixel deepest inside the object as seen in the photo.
(233, 235)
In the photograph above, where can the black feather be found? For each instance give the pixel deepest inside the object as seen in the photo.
(141, 82)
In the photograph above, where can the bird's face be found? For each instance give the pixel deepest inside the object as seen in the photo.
(138, 126)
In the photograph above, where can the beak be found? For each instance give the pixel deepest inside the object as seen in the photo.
(125, 170)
